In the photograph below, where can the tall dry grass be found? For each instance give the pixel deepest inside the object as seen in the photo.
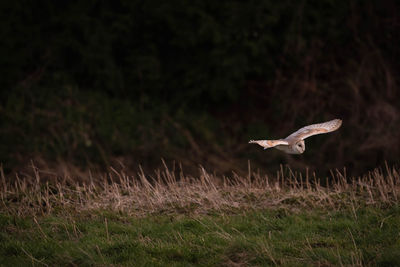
(171, 191)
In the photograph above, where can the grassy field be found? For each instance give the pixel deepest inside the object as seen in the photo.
(169, 219)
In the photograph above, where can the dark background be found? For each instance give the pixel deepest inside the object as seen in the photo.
(93, 84)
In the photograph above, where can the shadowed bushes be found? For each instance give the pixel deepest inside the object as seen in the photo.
(92, 84)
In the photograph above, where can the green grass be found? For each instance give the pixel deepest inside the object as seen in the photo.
(200, 221)
(369, 236)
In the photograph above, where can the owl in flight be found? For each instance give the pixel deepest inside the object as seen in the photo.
(294, 143)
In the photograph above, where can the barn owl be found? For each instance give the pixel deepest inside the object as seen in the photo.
(294, 143)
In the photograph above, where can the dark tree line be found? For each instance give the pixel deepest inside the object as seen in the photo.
(168, 73)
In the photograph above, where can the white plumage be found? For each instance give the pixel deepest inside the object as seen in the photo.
(294, 143)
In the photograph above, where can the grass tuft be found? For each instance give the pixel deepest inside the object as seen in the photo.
(170, 193)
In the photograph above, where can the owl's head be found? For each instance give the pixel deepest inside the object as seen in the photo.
(299, 147)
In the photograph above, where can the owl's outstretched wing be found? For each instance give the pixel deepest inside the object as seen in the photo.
(314, 129)
(268, 143)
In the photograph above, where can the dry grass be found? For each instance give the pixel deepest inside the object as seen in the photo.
(170, 191)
